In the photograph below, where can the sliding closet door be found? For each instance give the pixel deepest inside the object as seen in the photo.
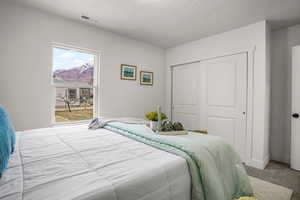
(224, 81)
(186, 95)
(211, 95)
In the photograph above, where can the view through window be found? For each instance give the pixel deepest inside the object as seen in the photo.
(73, 79)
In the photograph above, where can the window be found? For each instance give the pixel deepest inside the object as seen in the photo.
(85, 94)
(74, 75)
(72, 94)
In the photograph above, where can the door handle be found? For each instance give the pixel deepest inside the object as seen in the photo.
(295, 115)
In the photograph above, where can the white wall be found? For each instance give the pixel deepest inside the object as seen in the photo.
(280, 139)
(25, 71)
(254, 39)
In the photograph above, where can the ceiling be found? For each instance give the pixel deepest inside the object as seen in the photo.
(167, 23)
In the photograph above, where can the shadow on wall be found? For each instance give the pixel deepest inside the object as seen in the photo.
(281, 70)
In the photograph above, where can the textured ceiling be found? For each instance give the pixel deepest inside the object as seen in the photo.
(167, 23)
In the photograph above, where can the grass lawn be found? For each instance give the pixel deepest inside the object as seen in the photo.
(75, 115)
(73, 106)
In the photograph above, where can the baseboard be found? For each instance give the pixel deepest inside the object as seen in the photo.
(283, 159)
(266, 161)
(260, 164)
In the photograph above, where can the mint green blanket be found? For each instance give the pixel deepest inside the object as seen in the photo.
(216, 170)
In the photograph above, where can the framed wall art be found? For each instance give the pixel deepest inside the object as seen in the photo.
(146, 78)
(128, 72)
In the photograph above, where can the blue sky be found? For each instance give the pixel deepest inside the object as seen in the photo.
(66, 59)
(147, 76)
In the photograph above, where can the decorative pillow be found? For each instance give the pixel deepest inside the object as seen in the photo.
(7, 139)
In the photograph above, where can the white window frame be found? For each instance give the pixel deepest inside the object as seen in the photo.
(96, 83)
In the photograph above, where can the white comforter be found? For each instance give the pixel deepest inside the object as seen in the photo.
(76, 163)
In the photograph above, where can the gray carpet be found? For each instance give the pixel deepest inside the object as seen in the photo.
(268, 191)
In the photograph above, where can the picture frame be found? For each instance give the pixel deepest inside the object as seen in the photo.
(146, 78)
(128, 72)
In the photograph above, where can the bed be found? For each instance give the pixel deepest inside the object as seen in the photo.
(73, 162)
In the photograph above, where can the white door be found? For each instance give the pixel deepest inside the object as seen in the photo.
(224, 82)
(186, 93)
(211, 95)
(295, 137)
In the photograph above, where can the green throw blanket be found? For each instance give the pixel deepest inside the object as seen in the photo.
(217, 172)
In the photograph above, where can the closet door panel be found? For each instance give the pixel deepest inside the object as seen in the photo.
(225, 83)
(186, 93)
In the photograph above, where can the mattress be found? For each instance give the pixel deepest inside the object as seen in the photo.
(73, 162)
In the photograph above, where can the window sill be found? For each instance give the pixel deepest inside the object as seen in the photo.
(58, 124)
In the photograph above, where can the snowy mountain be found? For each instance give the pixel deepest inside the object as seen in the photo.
(82, 73)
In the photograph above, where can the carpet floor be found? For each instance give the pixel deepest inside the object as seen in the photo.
(279, 174)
